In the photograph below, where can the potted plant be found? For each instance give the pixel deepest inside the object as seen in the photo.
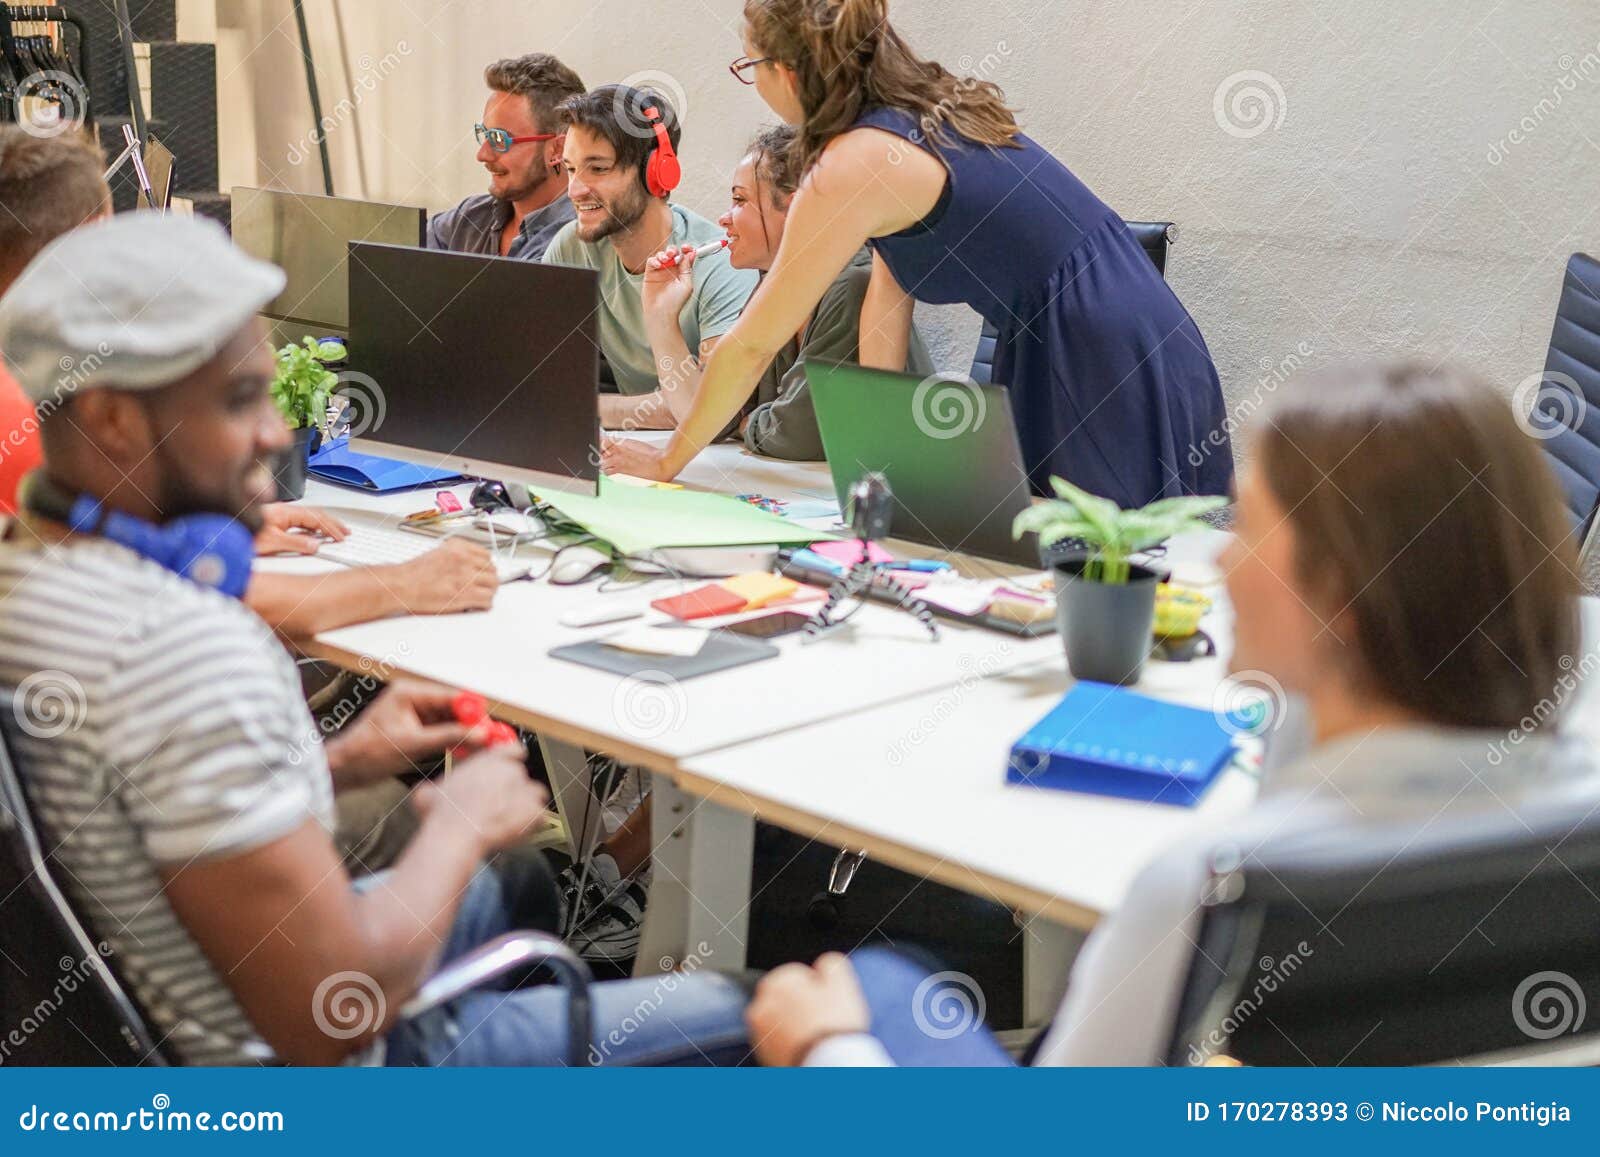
(301, 388)
(1105, 603)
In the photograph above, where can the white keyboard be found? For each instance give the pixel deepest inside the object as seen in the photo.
(379, 546)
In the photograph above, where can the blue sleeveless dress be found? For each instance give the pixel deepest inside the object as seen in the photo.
(1110, 382)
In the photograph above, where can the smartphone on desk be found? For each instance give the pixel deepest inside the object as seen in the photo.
(772, 626)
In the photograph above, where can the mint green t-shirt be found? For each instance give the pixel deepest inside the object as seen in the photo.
(720, 293)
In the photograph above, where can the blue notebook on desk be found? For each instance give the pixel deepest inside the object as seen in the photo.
(336, 462)
(1108, 740)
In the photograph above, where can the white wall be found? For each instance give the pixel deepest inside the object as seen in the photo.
(1424, 169)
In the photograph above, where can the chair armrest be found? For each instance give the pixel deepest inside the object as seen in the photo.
(499, 956)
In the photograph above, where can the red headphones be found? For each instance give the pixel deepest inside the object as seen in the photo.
(662, 172)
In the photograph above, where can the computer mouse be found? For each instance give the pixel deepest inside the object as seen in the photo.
(573, 564)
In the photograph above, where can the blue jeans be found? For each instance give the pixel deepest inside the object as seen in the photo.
(673, 1019)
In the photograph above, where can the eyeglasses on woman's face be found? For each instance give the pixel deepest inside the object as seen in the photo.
(744, 69)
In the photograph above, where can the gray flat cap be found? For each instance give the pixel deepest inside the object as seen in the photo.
(134, 303)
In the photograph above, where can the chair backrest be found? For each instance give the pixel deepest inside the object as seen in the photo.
(1476, 941)
(1156, 237)
(1569, 395)
(58, 995)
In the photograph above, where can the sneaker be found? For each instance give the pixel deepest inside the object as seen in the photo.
(611, 933)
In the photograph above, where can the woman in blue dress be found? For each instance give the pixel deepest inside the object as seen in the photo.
(1110, 381)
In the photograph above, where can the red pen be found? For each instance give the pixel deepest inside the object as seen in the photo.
(703, 251)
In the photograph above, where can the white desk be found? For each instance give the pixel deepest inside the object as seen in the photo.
(809, 694)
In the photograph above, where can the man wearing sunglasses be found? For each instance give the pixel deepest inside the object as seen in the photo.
(519, 145)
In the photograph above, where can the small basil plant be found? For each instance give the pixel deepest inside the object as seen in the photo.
(303, 383)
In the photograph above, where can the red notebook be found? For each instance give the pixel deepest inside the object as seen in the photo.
(705, 603)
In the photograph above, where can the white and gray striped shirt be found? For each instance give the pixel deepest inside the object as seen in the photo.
(154, 724)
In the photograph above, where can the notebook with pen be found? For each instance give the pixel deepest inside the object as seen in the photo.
(336, 462)
(1108, 740)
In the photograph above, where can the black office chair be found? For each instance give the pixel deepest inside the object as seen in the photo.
(1477, 942)
(63, 997)
(1570, 425)
(1156, 237)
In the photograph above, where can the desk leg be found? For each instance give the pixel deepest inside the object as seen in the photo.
(568, 766)
(699, 909)
(1048, 950)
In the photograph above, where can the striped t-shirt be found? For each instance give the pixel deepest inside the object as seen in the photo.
(154, 724)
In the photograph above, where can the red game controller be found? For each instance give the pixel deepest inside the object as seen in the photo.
(471, 710)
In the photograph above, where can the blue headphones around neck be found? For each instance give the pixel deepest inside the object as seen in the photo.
(211, 550)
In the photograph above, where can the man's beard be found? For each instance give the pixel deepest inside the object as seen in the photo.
(620, 216)
(535, 181)
(179, 494)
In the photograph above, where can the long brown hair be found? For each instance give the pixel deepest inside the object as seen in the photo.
(1424, 512)
(849, 58)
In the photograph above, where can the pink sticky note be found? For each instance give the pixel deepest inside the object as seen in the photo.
(849, 552)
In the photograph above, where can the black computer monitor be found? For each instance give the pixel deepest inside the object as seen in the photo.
(308, 237)
(481, 365)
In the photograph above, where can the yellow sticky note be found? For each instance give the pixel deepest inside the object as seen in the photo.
(760, 588)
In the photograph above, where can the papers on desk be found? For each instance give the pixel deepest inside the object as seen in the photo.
(658, 641)
(637, 520)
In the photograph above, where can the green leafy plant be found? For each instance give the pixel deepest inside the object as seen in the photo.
(303, 383)
(1110, 532)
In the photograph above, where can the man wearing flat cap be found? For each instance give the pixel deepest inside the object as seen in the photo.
(162, 737)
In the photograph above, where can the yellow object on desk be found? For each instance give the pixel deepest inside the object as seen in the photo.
(760, 588)
(1178, 611)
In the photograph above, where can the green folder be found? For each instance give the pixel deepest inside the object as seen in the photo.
(638, 519)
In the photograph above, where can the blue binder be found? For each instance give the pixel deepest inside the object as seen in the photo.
(336, 462)
(1107, 740)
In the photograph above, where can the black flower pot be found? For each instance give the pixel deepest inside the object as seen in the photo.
(289, 464)
(1105, 627)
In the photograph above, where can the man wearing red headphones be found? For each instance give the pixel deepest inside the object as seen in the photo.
(622, 164)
